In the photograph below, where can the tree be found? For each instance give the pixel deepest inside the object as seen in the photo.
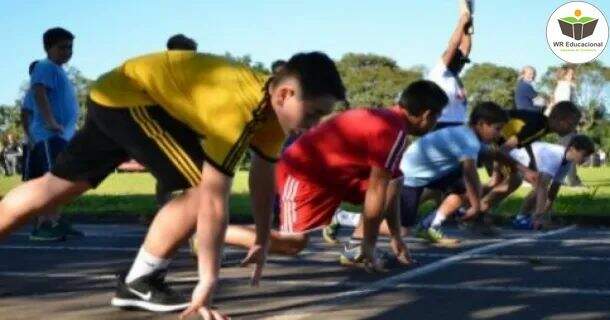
(374, 80)
(490, 82)
(247, 60)
(81, 85)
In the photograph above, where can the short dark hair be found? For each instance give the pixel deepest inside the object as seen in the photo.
(423, 95)
(181, 42)
(488, 112)
(582, 143)
(317, 75)
(276, 65)
(32, 66)
(55, 35)
(564, 110)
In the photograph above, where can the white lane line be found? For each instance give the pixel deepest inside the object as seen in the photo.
(340, 298)
(505, 289)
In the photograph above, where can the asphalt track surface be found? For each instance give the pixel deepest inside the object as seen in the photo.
(563, 274)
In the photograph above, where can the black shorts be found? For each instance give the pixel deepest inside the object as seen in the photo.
(41, 158)
(410, 196)
(170, 150)
(443, 125)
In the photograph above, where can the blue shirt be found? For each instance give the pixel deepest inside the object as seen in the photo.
(437, 154)
(524, 96)
(62, 98)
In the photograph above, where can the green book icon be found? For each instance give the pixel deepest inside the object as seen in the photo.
(577, 28)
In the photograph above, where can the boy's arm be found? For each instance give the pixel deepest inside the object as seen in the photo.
(542, 194)
(42, 103)
(456, 39)
(553, 191)
(212, 219)
(262, 191)
(529, 175)
(372, 214)
(25, 123)
(473, 186)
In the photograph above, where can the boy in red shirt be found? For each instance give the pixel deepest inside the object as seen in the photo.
(352, 157)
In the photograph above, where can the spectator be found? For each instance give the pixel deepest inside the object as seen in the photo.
(27, 110)
(11, 155)
(564, 91)
(53, 124)
(526, 97)
(181, 42)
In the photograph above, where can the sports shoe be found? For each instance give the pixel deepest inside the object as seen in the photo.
(436, 236)
(48, 231)
(149, 292)
(329, 233)
(69, 230)
(351, 256)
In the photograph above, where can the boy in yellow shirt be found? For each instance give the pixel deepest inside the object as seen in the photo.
(188, 117)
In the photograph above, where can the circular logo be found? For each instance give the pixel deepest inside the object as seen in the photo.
(577, 32)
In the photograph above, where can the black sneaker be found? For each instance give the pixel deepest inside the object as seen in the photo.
(150, 293)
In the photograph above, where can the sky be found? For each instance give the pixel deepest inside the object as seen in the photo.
(511, 33)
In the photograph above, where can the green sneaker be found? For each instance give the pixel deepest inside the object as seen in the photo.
(329, 233)
(69, 230)
(48, 231)
(436, 236)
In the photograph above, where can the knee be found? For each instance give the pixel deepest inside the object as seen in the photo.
(296, 245)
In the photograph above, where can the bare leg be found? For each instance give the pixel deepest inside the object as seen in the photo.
(35, 197)
(280, 243)
(174, 223)
(529, 203)
(392, 220)
(501, 191)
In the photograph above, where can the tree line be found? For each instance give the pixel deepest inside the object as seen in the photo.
(374, 81)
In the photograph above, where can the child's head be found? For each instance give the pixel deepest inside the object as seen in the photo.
(423, 102)
(564, 118)
(304, 89)
(181, 42)
(276, 65)
(487, 120)
(58, 45)
(579, 149)
(565, 73)
(528, 73)
(32, 66)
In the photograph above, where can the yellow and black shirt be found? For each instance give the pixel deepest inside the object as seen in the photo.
(216, 98)
(527, 126)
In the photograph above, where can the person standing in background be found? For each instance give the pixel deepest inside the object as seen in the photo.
(526, 97)
(53, 123)
(565, 91)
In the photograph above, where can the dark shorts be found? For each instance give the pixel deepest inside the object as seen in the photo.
(442, 125)
(170, 150)
(410, 196)
(41, 158)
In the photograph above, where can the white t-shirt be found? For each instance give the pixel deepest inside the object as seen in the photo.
(455, 111)
(563, 91)
(549, 159)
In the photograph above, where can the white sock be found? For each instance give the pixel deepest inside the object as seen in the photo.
(145, 264)
(347, 218)
(438, 220)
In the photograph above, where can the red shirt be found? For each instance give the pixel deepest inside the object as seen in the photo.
(342, 150)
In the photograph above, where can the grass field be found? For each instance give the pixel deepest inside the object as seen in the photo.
(133, 194)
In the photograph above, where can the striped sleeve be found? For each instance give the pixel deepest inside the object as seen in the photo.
(387, 149)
